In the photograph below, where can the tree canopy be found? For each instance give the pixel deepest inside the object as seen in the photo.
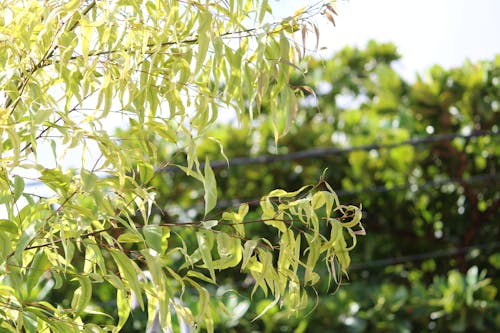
(69, 72)
(178, 219)
(421, 156)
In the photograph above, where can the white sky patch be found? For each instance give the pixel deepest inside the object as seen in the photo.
(426, 32)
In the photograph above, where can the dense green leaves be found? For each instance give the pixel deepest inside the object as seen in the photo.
(80, 228)
(425, 170)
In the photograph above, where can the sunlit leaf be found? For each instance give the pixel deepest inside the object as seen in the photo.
(153, 236)
(210, 187)
(82, 294)
(129, 271)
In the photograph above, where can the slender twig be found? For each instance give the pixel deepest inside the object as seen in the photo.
(9, 103)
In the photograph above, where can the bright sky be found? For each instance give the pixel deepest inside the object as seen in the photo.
(426, 32)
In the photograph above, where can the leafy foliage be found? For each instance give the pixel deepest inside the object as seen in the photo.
(71, 70)
(420, 155)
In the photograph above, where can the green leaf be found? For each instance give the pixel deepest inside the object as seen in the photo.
(229, 249)
(38, 267)
(123, 309)
(341, 251)
(209, 224)
(200, 276)
(89, 180)
(205, 21)
(270, 216)
(210, 187)
(93, 257)
(58, 279)
(129, 272)
(82, 295)
(18, 187)
(146, 172)
(129, 237)
(279, 193)
(205, 243)
(164, 239)
(153, 236)
(284, 48)
(28, 235)
(237, 218)
(15, 144)
(56, 180)
(314, 251)
(248, 252)
(8, 226)
(494, 260)
(5, 247)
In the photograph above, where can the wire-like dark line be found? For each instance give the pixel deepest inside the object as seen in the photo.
(415, 187)
(321, 152)
(329, 151)
(421, 256)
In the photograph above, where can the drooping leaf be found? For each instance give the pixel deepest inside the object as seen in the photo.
(82, 295)
(129, 272)
(153, 236)
(18, 187)
(210, 187)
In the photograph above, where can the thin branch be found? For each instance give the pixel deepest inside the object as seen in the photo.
(48, 127)
(195, 224)
(329, 151)
(276, 27)
(421, 256)
(48, 54)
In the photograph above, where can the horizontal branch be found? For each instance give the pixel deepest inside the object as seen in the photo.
(422, 256)
(195, 224)
(327, 151)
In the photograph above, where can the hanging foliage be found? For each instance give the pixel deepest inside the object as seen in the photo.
(70, 72)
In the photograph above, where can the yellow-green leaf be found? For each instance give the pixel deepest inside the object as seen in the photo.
(153, 236)
(129, 272)
(210, 187)
(82, 295)
(205, 243)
